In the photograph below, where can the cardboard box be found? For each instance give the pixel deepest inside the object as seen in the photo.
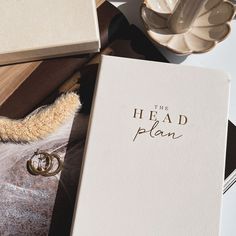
(33, 30)
(155, 156)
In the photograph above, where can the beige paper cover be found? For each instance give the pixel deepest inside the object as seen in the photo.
(38, 29)
(165, 182)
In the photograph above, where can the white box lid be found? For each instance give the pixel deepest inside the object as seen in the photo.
(32, 30)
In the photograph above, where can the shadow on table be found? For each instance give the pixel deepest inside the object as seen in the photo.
(69, 179)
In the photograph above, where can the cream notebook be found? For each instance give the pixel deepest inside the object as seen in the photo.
(38, 29)
(155, 156)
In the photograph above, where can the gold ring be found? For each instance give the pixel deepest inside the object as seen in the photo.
(57, 170)
(45, 164)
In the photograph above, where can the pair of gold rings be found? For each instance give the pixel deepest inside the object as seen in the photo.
(44, 164)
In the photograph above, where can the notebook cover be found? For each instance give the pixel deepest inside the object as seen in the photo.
(33, 30)
(155, 156)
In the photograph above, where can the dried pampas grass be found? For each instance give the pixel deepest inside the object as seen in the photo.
(41, 122)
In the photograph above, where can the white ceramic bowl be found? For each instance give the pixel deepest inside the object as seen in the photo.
(211, 26)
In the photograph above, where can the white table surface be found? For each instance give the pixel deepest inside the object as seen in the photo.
(228, 225)
(222, 57)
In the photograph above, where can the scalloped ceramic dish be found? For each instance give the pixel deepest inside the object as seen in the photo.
(212, 25)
